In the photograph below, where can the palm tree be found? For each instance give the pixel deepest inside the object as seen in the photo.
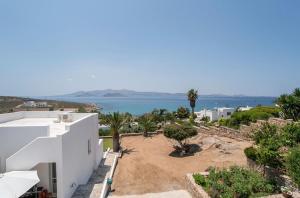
(192, 97)
(147, 123)
(116, 121)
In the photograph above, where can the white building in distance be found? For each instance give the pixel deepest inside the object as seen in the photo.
(247, 108)
(214, 114)
(63, 147)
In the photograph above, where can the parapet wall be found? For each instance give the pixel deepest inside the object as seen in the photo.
(244, 133)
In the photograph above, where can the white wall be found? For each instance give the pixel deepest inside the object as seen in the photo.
(14, 138)
(6, 117)
(78, 165)
(43, 174)
(41, 150)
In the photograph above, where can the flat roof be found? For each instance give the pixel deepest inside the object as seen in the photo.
(54, 128)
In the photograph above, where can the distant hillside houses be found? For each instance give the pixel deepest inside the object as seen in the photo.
(35, 104)
(214, 114)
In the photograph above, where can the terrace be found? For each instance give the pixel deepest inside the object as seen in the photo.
(149, 166)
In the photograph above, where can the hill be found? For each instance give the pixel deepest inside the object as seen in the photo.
(12, 103)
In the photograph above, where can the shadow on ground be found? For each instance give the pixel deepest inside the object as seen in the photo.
(128, 151)
(192, 150)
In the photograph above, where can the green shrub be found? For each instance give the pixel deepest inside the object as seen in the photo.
(265, 134)
(236, 182)
(103, 132)
(293, 164)
(290, 135)
(199, 179)
(252, 115)
(250, 152)
(183, 112)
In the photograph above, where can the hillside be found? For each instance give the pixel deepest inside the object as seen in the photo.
(11, 103)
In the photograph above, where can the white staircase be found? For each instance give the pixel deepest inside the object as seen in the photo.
(40, 150)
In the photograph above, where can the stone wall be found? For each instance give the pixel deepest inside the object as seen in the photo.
(273, 174)
(244, 133)
(223, 132)
(194, 189)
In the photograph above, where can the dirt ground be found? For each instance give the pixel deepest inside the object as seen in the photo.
(148, 164)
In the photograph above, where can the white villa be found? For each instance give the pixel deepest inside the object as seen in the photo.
(214, 114)
(63, 147)
(247, 108)
(35, 104)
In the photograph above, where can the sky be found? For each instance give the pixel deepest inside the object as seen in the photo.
(218, 47)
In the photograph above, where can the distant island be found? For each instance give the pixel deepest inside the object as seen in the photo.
(131, 93)
(114, 95)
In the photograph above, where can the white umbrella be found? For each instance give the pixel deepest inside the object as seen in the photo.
(16, 183)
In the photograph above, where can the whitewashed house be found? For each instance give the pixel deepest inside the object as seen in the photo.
(247, 108)
(29, 104)
(63, 147)
(214, 114)
(41, 104)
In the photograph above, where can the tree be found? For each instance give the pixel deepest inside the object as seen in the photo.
(116, 121)
(81, 109)
(290, 105)
(147, 123)
(183, 112)
(192, 97)
(180, 134)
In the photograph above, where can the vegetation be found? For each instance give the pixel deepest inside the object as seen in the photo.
(236, 182)
(290, 135)
(146, 121)
(278, 148)
(252, 115)
(192, 95)
(290, 105)
(268, 141)
(115, 121)
(251, 153)
(183, 112)
(180, 133)
(107, 143)
(103, 132)
(10, 103)
(293, 164)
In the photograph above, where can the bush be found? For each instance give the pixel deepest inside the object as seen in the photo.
(183, 112)
(103, 132)
(252, 115)
(250, 152)
(290, 135)
(265, 134)
(236, 182)
(199, 179)
(293, 165)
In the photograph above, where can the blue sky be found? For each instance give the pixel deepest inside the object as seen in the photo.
(229, 47)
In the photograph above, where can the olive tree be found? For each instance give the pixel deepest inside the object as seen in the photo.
(180, 134)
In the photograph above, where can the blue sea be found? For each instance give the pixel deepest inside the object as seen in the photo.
(140, 105)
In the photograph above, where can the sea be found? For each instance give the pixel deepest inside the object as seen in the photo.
(141, 105)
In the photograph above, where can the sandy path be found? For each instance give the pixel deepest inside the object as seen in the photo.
(147, 167)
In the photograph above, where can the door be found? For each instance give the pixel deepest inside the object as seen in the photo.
(53, 180)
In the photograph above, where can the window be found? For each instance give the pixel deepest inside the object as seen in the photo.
(89, 146)
(228, 113)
